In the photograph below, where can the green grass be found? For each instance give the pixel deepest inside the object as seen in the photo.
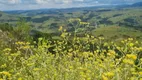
(117, 32)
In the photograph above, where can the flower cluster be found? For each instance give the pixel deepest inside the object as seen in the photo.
(79, 58)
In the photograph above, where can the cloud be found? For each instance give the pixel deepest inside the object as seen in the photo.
(10, 1)
(28, 2)
(58, 1)
(36, 4)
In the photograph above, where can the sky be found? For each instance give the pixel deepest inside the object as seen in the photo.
(39, 4)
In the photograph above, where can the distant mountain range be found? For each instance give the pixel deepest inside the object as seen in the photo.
(118, 1)
(54, 11)
(137, 4)
(7, 16)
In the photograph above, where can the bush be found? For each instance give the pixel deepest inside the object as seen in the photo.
(22, 31)
(85, 58)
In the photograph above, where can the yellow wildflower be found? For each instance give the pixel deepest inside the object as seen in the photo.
(27, 43)
(80, 68)
(5, 73)
(104, 77)
(40, 39)
(130, 39)
(36, 69)
(70, 67)
(136, 42)
(133, 78)
(85, 54)
(122, 42)
(131, 44)
(19, 43)
(19, 78)
(140, 73)
(109, 74)
(105, 44)
(140, 48)
(134, 73)
(101, 38)
(30, 64)
(26, 47)
(75, 19)
(3, 66)
(7, 50)
(131, 56)
(127, 61)
(78, 19)
(101, 66)
(111, 52)
(132, 69)
(125, 40)
(63, 35)
(84, 23)
(60, 28)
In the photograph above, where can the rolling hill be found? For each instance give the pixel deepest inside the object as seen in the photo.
(49, 20)
(7, 18)
(138, 4)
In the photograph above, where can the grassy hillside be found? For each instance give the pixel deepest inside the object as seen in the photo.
(90, 44)
(116, 15)
(131, 17)
(128, 21)
(117, 33)
(128, 17)
(7, 18)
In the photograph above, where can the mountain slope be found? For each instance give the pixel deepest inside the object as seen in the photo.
(4, 18)
(138, 4)
(118, 1)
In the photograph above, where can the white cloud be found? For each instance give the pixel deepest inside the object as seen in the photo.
(10, 1)
(67, 1)
(79, 0)
(14, 1)
(37, 4)
(58, 1)
(53, 1)
(27, 1)
(42, 1)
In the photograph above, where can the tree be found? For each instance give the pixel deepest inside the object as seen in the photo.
(22, 30)
(6, 27)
